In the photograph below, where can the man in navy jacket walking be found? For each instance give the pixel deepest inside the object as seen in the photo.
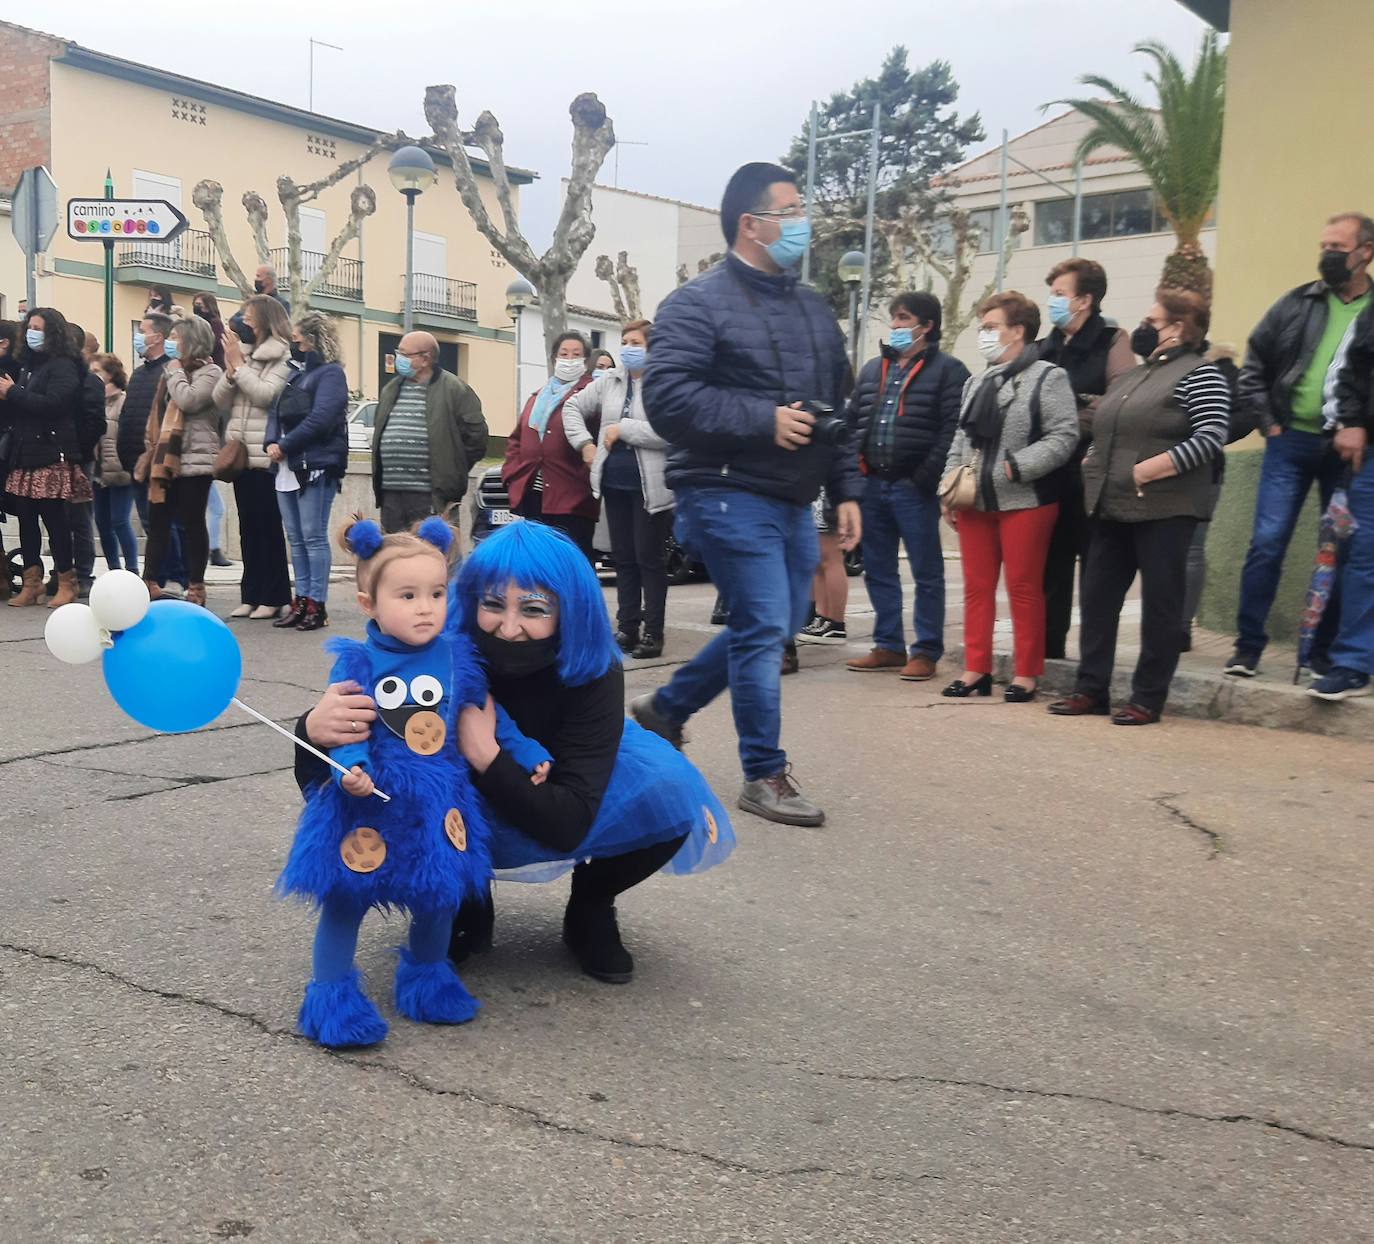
(737, 354)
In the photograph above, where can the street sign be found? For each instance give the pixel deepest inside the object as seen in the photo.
(105, 220)
(33, 218)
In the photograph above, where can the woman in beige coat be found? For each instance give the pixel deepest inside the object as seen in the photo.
(256, 367)
(184, 480)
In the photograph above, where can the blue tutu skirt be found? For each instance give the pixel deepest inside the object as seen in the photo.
(655, 794)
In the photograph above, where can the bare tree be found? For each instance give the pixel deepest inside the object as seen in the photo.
(623, 280)
(703, 265)
(593, 137)
(208, 197)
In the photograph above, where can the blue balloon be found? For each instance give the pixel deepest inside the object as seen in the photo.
(177, 670)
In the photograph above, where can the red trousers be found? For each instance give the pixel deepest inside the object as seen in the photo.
(1018, 540)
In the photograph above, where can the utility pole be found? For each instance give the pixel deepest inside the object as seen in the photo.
(314, 43)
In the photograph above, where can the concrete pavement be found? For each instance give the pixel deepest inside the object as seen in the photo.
(1037, 980)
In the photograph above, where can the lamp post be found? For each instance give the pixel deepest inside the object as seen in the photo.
(412, 173)
(851, 272)
(519, 295)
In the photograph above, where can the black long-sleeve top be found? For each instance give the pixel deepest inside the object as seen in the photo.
(580, 727)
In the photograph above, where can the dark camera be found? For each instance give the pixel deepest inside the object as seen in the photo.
(830, 429)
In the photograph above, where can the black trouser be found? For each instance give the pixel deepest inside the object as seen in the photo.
(54, 516)
(265, 580)
(578, 529)
(187, 496)
(1068, 543)
(402, 510)
(1158, 549)
(173, 568)
(639, 545)
(601, 881)
(81, 519)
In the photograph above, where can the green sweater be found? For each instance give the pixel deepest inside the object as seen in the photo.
(1307, 393)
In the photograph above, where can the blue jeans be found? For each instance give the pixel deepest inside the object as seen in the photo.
(896, 513)
(1293, 461)
(114, 509)
(761, 554)
(1354, 646)
(305, 515)
(173, 566)
(214, 518)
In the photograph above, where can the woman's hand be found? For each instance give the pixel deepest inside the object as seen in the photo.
(6, 384)
(477, 735)
(357, 783)
(1006, 466)
(274, 452)
(540, 774)
(612, 435)
(950, 517)
(344, 715)
(233, 348)
(588, 453)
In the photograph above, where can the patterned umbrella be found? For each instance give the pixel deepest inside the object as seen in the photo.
(1336, 526)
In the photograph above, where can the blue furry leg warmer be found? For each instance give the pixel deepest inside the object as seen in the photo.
(338, 1014)
(428, 990)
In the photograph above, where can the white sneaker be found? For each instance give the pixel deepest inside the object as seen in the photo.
(243, 611)
(263, 612)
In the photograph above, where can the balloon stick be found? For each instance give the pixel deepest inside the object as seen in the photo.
(267, 721)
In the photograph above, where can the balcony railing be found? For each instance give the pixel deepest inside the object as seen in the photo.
(437, 295)
(346, 281)
(191, 253)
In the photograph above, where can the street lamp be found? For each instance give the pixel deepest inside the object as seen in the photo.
(519, 295)
(851, 273)
(412, 173)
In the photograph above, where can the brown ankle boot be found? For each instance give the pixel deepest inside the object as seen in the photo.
(66, 590)
(154, 591)
(32, 591)
(195, 593)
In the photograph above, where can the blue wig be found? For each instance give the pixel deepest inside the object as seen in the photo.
(536, 556)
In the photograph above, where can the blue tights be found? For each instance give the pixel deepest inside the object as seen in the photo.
(336, 938)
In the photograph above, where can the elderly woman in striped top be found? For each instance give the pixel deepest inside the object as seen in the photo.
(1147, 482)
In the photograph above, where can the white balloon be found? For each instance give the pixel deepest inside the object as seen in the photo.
(73, 635)
(119, 600)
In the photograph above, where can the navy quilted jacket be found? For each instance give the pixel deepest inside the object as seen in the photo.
(728, 348)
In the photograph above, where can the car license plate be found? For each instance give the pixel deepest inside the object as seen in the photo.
(499, 518)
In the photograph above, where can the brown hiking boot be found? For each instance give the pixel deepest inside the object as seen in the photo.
(878, 659)
(918, 669)
(66, 590)
(32, 591)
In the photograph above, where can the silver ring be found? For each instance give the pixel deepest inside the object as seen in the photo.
(353, 726)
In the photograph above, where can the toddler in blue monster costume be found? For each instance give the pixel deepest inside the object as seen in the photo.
(428, 847)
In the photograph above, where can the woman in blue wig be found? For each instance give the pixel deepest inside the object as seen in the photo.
(618, 803)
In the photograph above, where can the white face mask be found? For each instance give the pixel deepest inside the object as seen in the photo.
(990, 344)
(568, 370)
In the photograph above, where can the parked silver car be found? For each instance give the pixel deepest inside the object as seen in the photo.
(361, 418)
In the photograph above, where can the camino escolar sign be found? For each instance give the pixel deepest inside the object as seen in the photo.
(107, 220)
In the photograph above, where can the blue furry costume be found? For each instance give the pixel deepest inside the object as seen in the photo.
(426, 850)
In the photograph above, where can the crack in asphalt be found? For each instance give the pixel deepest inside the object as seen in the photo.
(419, 1084)
(1215, 846)
(288, 722)
(282, 682)
(182, 783)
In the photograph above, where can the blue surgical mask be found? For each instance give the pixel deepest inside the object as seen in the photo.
(793, 242)
(170, 349)
(140, 344)
(404, 367)
(33, 338)
(900, 339)
(632, 357)
(598, 372)
(1058, 310)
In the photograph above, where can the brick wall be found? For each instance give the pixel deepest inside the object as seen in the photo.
(25, 100)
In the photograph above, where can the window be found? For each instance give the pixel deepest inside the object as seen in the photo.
(1054, 222)
(1127, 213)
(312, 230)
(431, 254)
(985, 221)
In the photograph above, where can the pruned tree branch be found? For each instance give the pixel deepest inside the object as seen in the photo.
(628, 279)
(256, 208)
(208, 196)
(605, 271)
(362, 203)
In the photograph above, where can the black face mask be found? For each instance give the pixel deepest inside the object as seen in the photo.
(1334, 270)
(510, 658)
(297, 354)
(1145, 340)
(257, 287)
(203, 313)
(246, 333)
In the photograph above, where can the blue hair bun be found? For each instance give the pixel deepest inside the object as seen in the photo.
(436, 531)
(365, 538)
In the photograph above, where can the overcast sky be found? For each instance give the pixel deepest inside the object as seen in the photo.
(707, 84)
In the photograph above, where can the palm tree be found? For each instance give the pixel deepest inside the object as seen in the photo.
(1177, 145)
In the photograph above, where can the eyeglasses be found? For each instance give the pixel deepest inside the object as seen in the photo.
(784, 213)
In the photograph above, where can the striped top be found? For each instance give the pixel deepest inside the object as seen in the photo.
(1205, 397)
(405, 442)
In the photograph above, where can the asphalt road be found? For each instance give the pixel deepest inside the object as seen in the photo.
(1037, 980)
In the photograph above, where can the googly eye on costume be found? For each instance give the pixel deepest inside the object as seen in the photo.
(426, 690)
(390, 692)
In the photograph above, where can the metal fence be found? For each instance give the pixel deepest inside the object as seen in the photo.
(345, 281)
(437, 295)
(191, 253)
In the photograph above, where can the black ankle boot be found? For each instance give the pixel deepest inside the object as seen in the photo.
(650, 646)
(590, 931)
(472, 928)
(627, 638)
(315, 616)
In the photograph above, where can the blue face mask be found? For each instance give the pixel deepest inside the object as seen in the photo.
(1058, 310)
(169, 348)
(33, 338)
(140, 344)
(598, 372)
(792, 243)
(404, 367)
(900, 339)
(632, 357)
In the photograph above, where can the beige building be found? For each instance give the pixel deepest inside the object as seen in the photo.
(174, 131)
(1121, 226)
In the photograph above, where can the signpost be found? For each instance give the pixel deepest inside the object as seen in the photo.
(105, 220)
(33, 220)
